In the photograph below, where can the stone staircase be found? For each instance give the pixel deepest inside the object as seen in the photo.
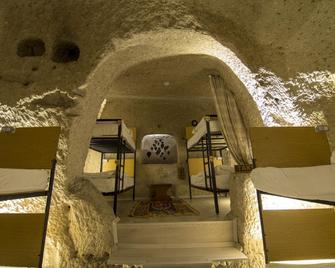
(176, 244)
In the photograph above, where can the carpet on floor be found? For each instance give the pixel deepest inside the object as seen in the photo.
(174, 207)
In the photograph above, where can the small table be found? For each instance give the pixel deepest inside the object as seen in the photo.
(159, 192)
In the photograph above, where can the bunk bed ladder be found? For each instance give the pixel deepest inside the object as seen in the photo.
(118, 168)
(134, 188)
(102, 162)
(210, 163)
(204, 162)
(122, 163)
(188, 167)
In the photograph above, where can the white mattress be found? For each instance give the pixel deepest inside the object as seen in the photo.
(200, 130)
(110, 129)
(315, 183)
(105, 181)
(13, 181)
(222, 180)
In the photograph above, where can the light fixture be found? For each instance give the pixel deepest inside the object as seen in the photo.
(166, 83)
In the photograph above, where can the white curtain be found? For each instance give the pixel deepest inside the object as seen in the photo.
(231, 121)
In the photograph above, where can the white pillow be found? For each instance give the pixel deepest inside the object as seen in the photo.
(223, 169)
(332, 158)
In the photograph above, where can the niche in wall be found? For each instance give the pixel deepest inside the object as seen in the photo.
(159, 149)
(30, 48)
(65, 51)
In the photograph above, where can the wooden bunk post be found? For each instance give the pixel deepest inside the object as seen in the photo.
(211, 166)
(188, 168)
(47, 210)
(260, 208)
(117, 170)
(134, 188)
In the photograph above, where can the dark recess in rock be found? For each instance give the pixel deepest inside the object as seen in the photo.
(26, 83)
(65, 51)
(30, 48)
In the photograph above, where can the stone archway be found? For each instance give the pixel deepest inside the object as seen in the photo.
(143, 48)
(146, 47)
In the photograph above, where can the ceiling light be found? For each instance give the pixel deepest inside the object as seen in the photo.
(166, 83)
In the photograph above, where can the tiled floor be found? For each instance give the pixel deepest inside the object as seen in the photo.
(204, 205)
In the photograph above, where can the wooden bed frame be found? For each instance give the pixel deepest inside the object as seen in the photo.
(23, 235)
(294, 234)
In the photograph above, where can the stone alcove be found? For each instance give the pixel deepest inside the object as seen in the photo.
(65, 51)
(159, 149)
(31, 47)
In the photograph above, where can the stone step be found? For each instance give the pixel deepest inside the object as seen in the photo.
(177, 232)
(174, 256)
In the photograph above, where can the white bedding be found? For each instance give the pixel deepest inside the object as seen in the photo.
(105, 181)
(13, 181)
(200, 130)
(222, 175)
(315, 183)
(110, 128)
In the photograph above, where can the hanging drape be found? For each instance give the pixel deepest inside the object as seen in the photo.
(231, 121)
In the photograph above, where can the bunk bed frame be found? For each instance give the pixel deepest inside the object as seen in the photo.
(23, 235)
(291, 234)
(208, 144)
(115, 144)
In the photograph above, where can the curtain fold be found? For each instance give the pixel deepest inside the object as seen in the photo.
(231, 121)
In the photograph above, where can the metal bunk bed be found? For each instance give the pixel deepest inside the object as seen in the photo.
(27, 163)
(209, 143)
(119, 144)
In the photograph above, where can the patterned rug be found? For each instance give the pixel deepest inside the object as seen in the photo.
(175, 207)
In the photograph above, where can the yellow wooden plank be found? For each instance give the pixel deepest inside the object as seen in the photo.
(20, 239)
(289, 147)
(30, 148)
(128, 169)
(299, 234)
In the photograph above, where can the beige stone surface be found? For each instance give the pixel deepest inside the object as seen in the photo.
(276, 56)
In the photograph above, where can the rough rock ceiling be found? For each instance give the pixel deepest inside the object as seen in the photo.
(180, 77)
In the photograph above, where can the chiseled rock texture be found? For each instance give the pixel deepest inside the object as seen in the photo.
(278, 57)
(90, 223)
(245, 210)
